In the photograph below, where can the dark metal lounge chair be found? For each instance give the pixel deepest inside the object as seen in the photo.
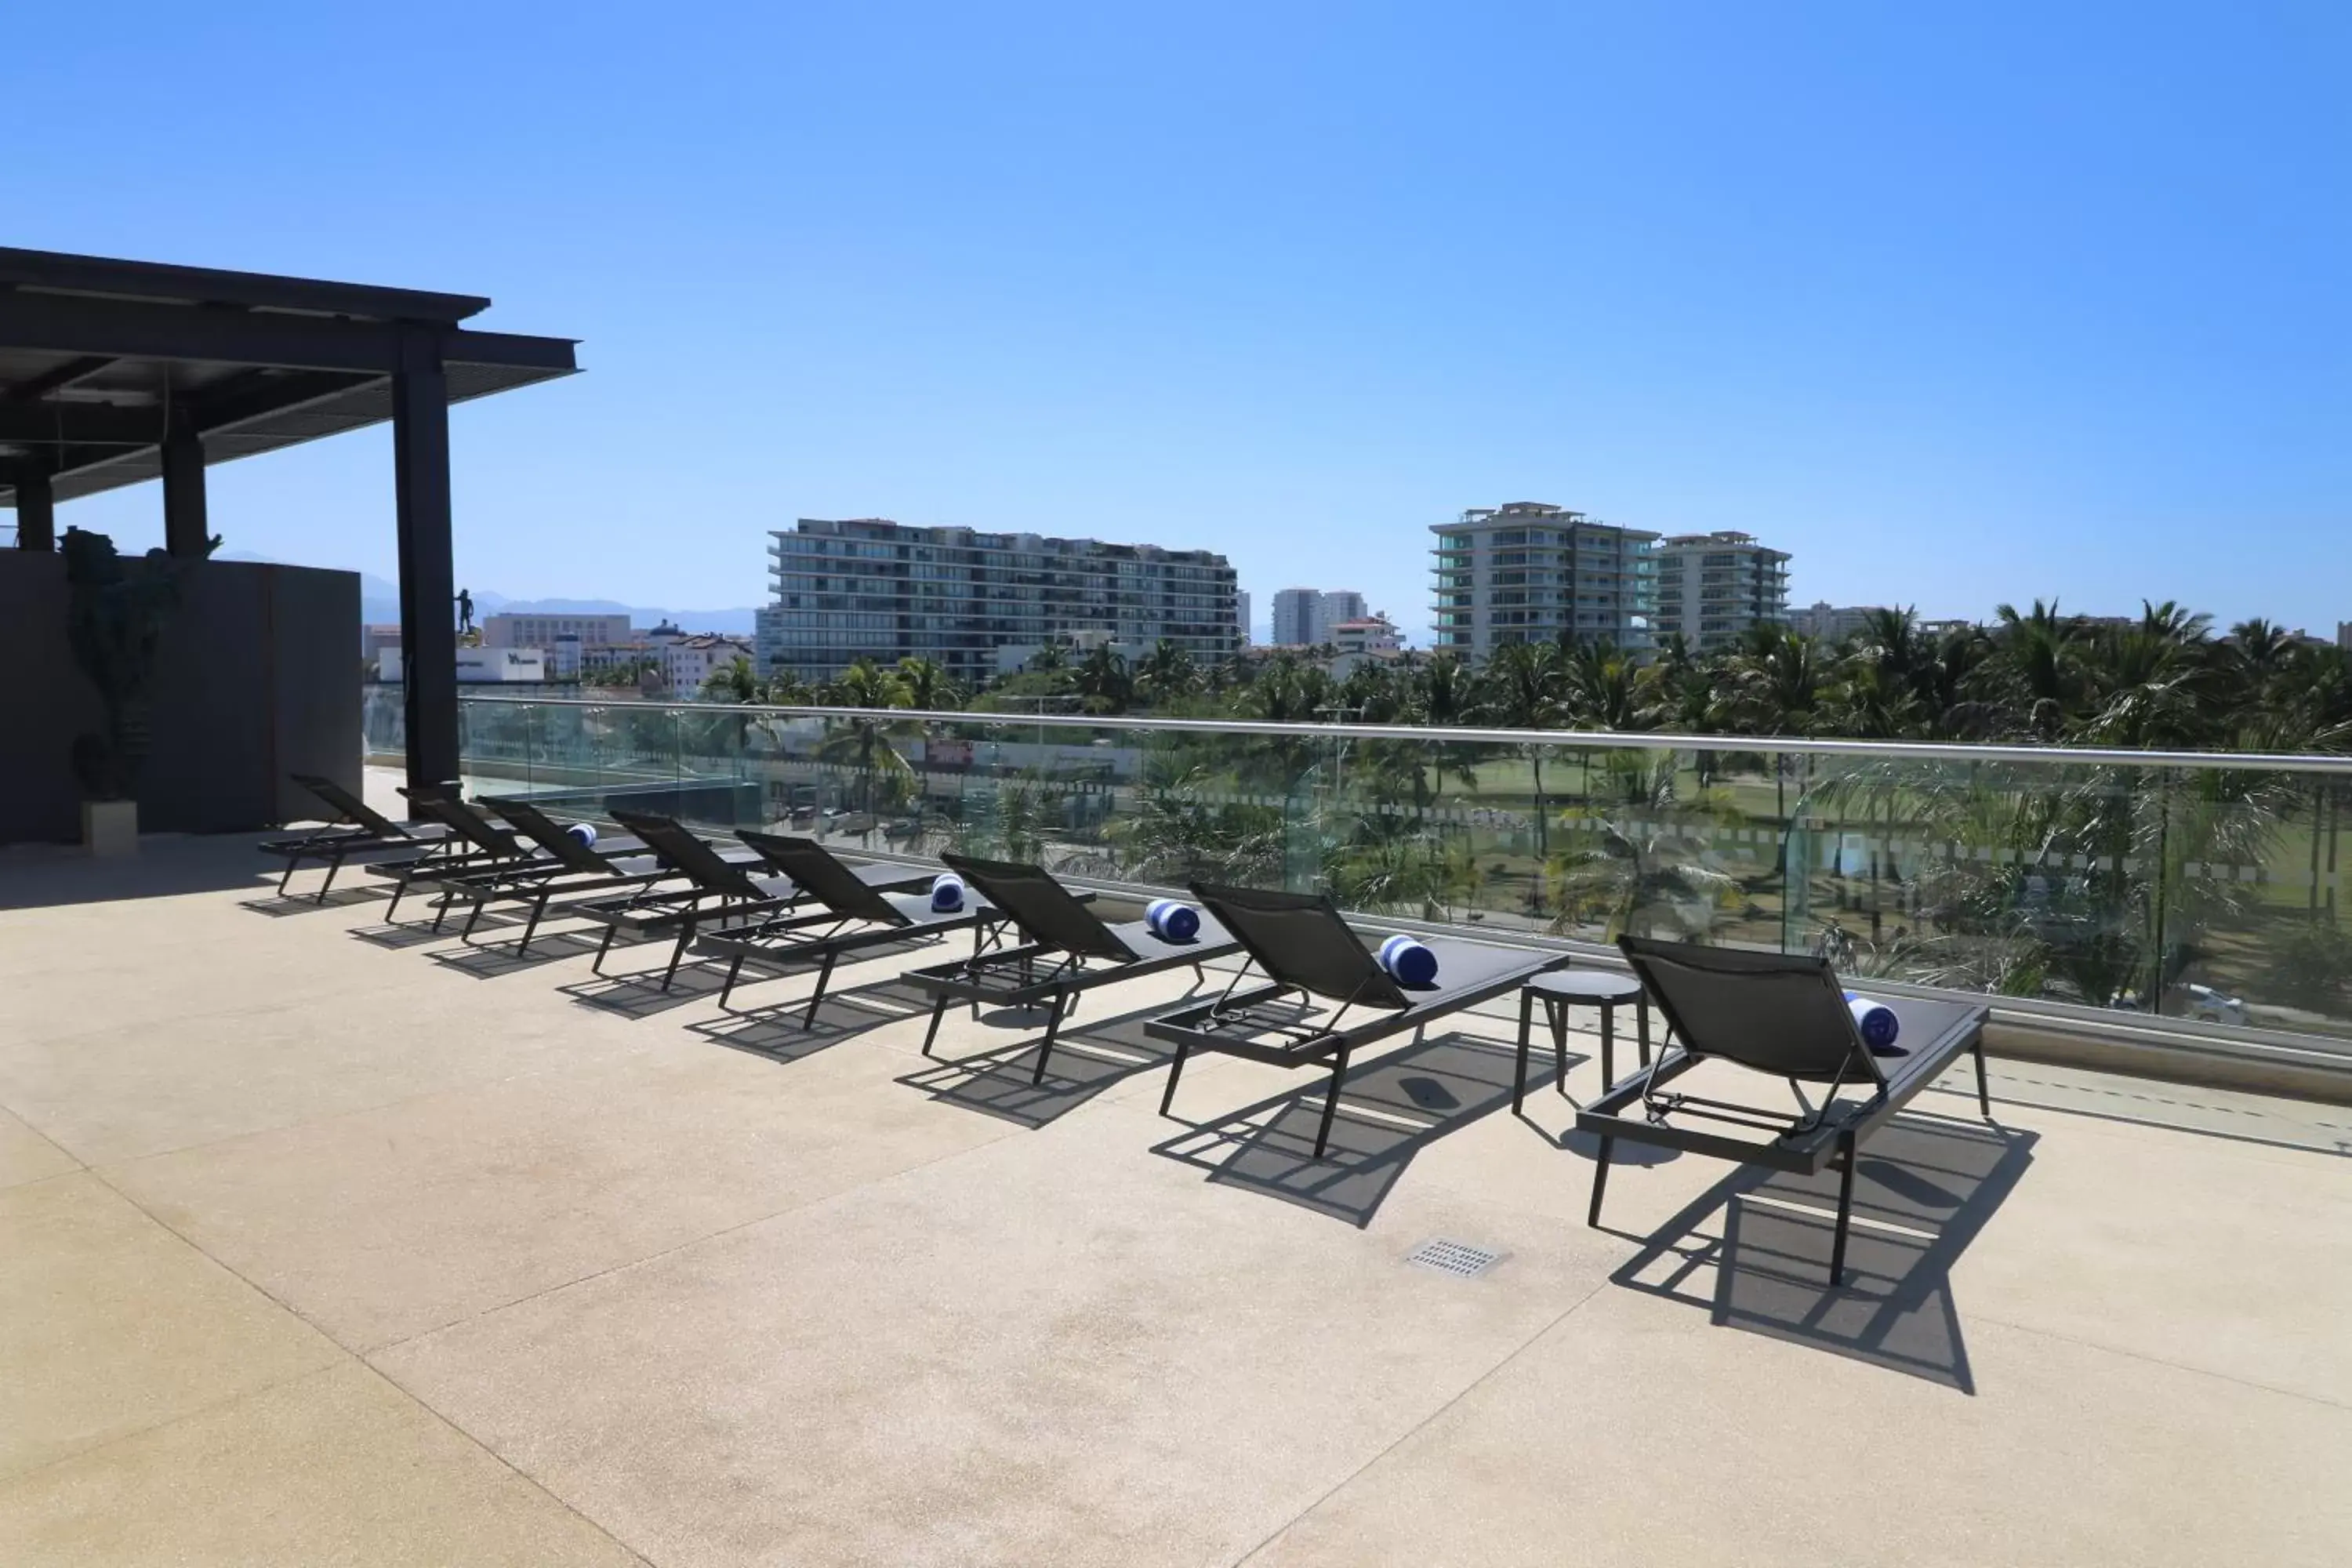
(1306, 949)
(355, 829)
(728, 892)
(1784, 1014)
(471, 845)
(1068, 950)
(564, 866)
(852, 912)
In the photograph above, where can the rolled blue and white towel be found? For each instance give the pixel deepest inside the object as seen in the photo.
(1409, 962)
(1172, 919)
(1875, 1022)
(585, 832)
(947, 893)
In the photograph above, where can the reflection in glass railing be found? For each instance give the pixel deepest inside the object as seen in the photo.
(2202, 888)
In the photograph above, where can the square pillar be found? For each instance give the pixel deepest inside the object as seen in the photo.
(36, 513)
(187, 536)
(429, 642)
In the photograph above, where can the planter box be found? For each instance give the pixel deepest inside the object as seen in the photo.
(110, 827)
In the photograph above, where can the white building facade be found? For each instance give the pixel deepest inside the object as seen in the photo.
(1713, 586)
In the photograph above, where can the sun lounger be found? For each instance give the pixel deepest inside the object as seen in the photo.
(355, 829)
(468, 845)
(730, 893)
(1784, 1015)
(1068, 950)
(846, 911)
(1305, 949)
(564, 866)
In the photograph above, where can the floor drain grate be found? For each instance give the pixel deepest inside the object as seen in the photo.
(1458, 1258)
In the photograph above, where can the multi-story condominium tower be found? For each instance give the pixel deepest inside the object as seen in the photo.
(1827, 622)
(1303, 617)
(1714, 586)
(871, 588)
(1529, 572)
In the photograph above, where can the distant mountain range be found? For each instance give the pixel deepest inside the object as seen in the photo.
(380, 602)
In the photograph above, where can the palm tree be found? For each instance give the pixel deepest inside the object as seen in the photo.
(735, 682)
(1522, 688)
(928, 686)
(1167, 672)
(1103, 681)
(867, 742)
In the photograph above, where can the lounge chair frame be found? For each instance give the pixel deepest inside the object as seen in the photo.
(1823, 1128)
(1236, 1023)
(1070, 951)
(857, 914)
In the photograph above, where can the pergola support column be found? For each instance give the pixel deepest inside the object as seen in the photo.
(185, 530)
(428, 644)
(37, 510)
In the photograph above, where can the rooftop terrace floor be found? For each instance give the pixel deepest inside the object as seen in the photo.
(327, 1244)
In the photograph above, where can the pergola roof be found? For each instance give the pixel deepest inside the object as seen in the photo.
(97, 357)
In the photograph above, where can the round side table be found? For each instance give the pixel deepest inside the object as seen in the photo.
(1564, 988)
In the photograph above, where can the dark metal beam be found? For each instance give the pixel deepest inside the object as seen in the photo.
(58, 324)
(209, 285)
(36, 515)
(428, 647)
(184, 526)
(59, 378)
(70, 423)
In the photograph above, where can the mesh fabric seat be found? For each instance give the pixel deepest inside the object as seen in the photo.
(1303, 945)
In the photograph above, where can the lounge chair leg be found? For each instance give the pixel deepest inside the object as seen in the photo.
(1175, 1071)
(531, 925)
(1045, 1046)
(1641, 1027)
(1519, 1077)
(677, 954)
(932, 1035)
(823, 976)
(603, 948)
(1331, 1105)
(334, 864)
(291, 861)
(733, 970)
(398, 890)
(1984, 1094)
(1846, 1209)
(1600, 1181)
(479, 905)
(1608, 1049)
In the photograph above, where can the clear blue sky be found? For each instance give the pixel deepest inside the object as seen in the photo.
(1960, 303)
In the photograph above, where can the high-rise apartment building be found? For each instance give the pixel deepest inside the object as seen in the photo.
(525, 629)
(1827, 622)
(1713, 586)
(871, 588)
(1242, 615)
(1530, 572)
(1303, 617)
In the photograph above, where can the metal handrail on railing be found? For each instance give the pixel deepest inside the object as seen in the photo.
(1577, 740)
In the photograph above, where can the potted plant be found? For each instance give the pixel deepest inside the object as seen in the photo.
(115, 618)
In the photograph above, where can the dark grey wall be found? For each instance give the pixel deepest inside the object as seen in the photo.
(259, 678)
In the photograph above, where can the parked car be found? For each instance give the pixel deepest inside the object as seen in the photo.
(2208, 1006)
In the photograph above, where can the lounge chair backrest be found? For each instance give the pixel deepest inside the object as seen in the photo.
(352, 806)
(702, 865)
(1046, 912)
(1782, 1014)
(549, 835)
(1302, 940)
(459, 818)
(814, 871)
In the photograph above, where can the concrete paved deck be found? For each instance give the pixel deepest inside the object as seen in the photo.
(324, 1244)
